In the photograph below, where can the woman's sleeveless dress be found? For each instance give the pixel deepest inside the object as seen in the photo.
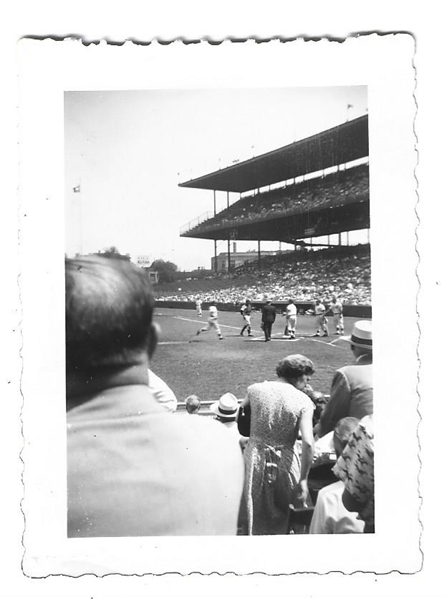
(272, 465)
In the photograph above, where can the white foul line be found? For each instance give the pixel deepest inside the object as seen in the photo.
(172, 342)
(326, 343)
(227, 326)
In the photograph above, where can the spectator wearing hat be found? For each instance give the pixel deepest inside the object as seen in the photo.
(352, 386)
(226, 410)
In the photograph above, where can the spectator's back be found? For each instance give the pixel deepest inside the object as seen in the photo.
(133, 468)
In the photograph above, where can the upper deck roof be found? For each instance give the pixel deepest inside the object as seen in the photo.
(338, 145)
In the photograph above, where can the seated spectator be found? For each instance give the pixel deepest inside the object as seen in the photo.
(193, 404)
(226, 410)
(342, 270)
(132, 469)
(330, 516)
(162, 392)
(356, 468)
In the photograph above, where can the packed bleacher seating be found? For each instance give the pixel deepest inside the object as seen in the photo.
(301, 275)
(334, 190)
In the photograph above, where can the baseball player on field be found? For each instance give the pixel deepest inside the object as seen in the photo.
(291, 319)
(245, 311)
(338, 318)
(198, 303)
(321, 319)
(212, 322)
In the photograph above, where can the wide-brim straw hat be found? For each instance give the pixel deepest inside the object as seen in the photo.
(361, 335)
(226, 407)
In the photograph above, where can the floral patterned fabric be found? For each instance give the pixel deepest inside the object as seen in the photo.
(272, 464)
(356, 468)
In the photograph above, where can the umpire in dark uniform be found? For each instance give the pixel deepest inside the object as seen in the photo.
(268, 317)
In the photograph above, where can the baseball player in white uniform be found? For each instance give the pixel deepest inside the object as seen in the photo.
(245, 311)
(321, 319)
(291, 319)
(198, 303)
(338, 318)
(212, 322)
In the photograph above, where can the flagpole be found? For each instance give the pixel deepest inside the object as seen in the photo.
(78, 189)
(348, 108)
(81, 217)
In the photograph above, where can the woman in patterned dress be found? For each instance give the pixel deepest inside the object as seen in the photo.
(275, 474)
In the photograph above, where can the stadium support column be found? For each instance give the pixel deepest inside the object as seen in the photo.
(215, 241)
(229, 236)
(258, 252)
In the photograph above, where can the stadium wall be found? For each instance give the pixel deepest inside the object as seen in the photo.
(354, 311)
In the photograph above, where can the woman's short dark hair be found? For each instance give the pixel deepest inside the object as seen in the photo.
(295, 366)
(108, 312)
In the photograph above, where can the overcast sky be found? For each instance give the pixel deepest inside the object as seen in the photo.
(128, 150)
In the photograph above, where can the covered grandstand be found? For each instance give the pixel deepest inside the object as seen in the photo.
(306, 201)
(316, 187)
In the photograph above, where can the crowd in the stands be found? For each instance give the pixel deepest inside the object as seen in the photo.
(337, 189)
(299, 275)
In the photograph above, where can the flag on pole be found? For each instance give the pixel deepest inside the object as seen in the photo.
(77, 189)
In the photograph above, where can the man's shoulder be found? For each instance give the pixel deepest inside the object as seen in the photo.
(198, 429)
(334, 490)
(355, 368)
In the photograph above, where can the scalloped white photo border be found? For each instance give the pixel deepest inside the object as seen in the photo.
(384, 63)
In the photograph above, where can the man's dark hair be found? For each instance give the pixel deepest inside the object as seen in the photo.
(108, 313)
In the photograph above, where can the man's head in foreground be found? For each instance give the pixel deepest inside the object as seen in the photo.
(108, 316)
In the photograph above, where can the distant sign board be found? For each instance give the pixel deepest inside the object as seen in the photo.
(143, 260)
(310, 231)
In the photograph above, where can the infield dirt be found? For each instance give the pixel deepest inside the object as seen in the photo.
(207, 367)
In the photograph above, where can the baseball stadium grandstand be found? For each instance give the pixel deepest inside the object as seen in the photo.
(313, 188)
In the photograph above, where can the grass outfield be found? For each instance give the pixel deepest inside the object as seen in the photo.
(209, 367)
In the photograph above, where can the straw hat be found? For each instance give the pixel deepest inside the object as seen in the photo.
(226, 407)
(361, 335)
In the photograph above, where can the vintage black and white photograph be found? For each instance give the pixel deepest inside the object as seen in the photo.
(225, 233)
(201, 224)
